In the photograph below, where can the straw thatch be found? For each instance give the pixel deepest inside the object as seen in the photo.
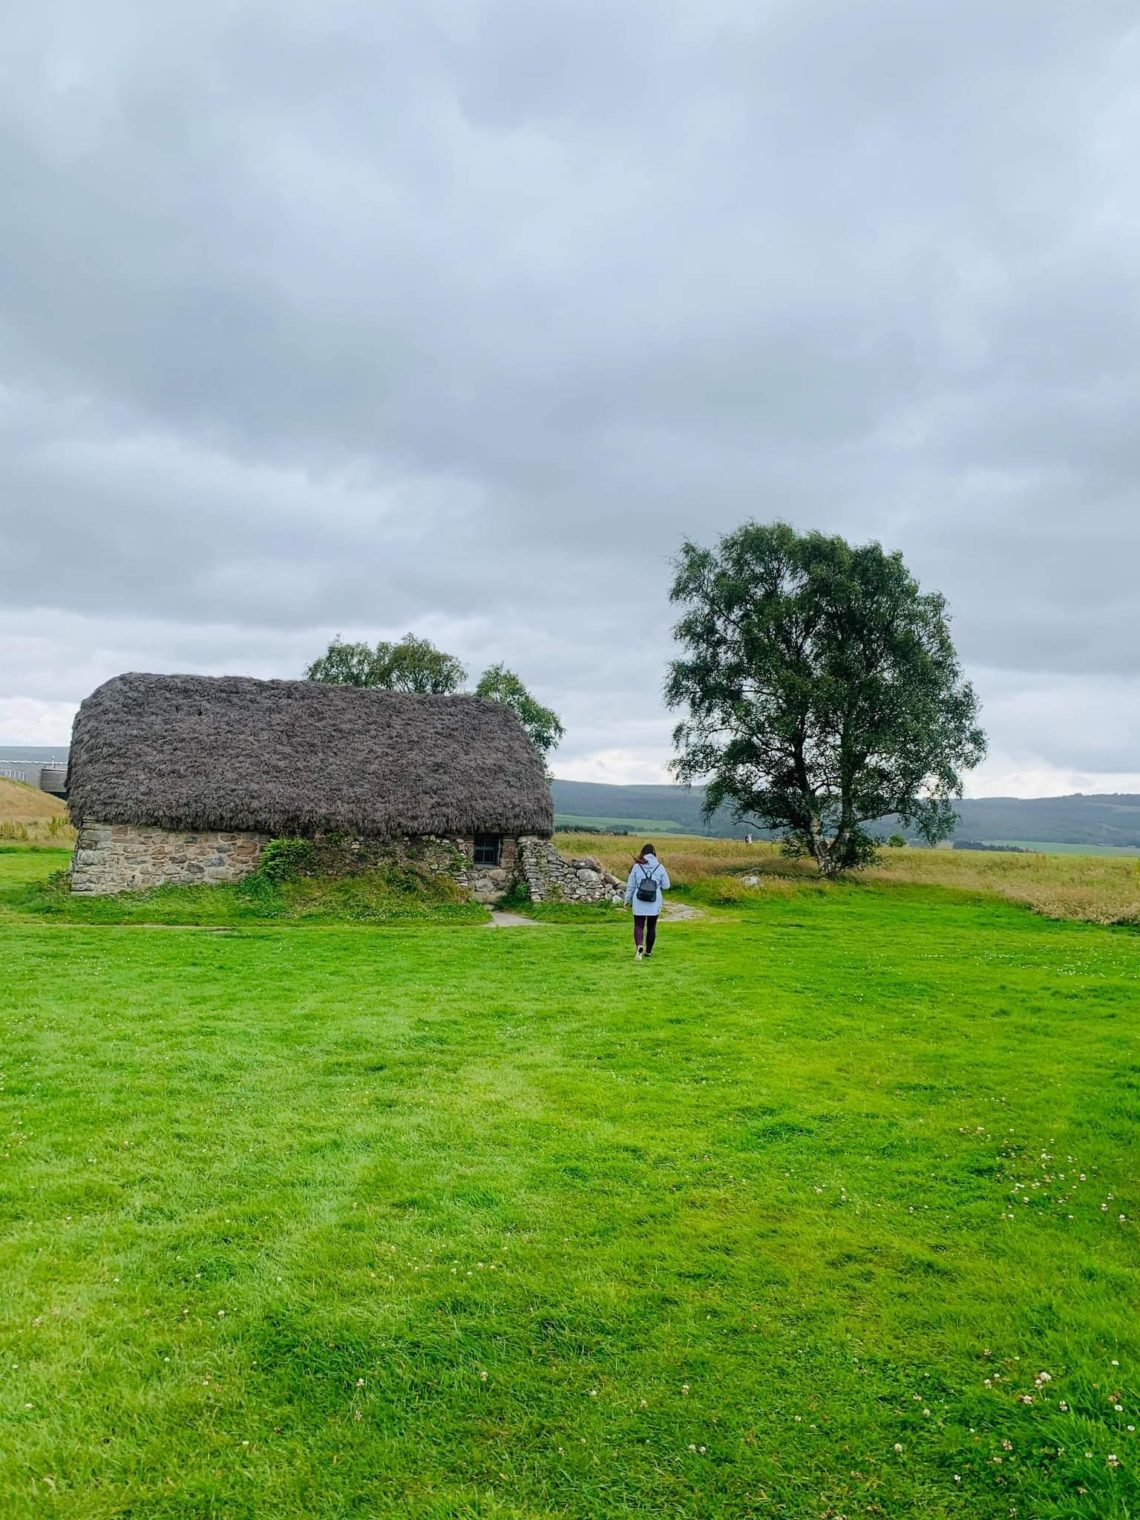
(298, 757)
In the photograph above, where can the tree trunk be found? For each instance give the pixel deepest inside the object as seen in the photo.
(819, 847)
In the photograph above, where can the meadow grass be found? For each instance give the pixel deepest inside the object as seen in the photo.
(818, 1214)
(30, 817)
(364, 897)
(1049, 847)
(567, 822)
(1094, 888)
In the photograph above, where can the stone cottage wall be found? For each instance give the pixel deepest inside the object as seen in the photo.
(423, 855)
(488, 883)
(550, 877)
(124, 857)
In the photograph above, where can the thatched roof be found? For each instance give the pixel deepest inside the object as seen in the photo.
(298, 757)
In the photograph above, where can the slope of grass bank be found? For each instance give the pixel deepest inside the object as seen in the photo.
(1094, 888)
(817, 1214)
(40, 889)
(31, 817)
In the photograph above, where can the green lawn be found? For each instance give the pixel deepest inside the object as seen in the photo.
(435, 1220)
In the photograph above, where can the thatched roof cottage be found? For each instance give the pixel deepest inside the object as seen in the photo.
(185, 778)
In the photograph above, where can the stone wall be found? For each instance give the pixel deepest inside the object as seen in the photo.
(123, 857)
(488, 883)
(550, 877)
(417, 855)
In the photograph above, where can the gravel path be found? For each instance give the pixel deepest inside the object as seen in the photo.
(673, 912)
(677, 913)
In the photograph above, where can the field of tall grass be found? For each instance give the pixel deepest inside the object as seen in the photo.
(29, 816)
(1093, 888)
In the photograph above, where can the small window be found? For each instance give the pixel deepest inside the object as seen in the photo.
(487, 849)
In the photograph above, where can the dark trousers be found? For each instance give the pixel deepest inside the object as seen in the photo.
(645, 926)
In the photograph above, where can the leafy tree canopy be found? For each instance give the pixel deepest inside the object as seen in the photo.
(413, 664)
(498, 684)
(416, 665)
(822, 690)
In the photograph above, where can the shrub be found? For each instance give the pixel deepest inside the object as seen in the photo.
(286, 859)
(719, 891)
(518, 897)
(896, 842)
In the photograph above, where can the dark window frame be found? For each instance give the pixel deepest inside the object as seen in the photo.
(487, 849)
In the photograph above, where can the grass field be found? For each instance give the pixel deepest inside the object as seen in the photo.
(646, 826)
(1097, 888)
(1119, 851)
(29, 816)
(827, 1211)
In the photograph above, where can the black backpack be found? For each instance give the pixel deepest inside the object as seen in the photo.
(646, 890)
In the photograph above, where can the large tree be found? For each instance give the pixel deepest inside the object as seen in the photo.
(416, 665)
(822, 690)
(543, 725)
(412, 664)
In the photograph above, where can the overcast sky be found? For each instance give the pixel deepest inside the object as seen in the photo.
(324, 315)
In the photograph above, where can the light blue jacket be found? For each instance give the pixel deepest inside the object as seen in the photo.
(660, 877)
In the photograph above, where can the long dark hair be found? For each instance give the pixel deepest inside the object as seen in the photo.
(646, 849)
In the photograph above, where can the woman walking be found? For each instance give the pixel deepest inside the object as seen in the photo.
(648, 878)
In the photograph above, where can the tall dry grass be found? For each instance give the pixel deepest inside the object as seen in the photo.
(29, 816)
(1099, 889)
(54, 833)
(1095, 888)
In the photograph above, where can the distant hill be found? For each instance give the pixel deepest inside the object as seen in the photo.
(1089, 820)
(1112, 819)
(640, 807)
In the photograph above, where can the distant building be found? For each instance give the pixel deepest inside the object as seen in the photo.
(48, 778)
(178, 779)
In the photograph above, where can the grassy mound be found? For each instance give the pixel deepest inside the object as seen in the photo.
(368, 897)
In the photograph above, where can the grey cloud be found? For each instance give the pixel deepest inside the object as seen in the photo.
(334, 315)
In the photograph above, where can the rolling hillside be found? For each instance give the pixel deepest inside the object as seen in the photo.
(1112, 820)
